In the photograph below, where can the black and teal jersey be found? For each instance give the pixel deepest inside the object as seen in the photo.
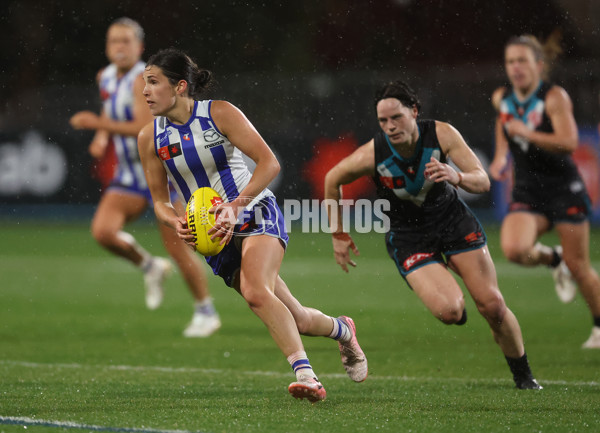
(414, 200)
(536, 168)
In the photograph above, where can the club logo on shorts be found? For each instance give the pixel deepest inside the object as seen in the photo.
(576, 210)
(473, 237)
(517, 206)
(414, 259)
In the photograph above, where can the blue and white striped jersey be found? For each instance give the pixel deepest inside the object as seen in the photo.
(118, 98)
(197, 154)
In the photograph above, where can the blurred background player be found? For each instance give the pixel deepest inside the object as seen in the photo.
(198, 143)
(124, 114)
(535, 124)
(431, 228)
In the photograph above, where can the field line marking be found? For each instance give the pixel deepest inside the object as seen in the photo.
(187, 370)
(26, 421)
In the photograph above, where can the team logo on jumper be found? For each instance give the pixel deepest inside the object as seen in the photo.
(170, 151)
(505, 117)
(534, 118)
(414, 259)
(211, 135)
(186, 136)
(104, 95)
(393, 182)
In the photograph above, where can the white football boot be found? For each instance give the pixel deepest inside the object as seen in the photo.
(594, 341)
(153, 278)
(353, 358)
(202, 325)
(307, 387)
(564, 284)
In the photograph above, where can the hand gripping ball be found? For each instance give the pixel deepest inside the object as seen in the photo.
(200, 221)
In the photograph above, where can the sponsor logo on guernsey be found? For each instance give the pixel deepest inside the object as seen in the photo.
(211, 135)
(208, 146)
(163, 138)
(170, 151)
(414, 259)
(393, 182)
(186, 136)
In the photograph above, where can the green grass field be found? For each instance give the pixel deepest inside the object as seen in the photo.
(79, 350)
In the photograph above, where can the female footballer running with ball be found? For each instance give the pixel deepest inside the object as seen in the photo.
(199, 143)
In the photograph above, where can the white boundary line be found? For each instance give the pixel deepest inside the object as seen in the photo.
(26, 421)
(187, 370)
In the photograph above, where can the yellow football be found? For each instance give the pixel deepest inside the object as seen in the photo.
(200, 221)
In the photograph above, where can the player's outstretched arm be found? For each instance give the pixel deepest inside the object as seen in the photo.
(141, 116)
(358, 164)
(499, 165)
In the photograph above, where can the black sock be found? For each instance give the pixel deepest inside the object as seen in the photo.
(519, 367)
(463, 319)
(556, 258)
(597, 321)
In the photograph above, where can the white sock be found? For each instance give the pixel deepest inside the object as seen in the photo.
(146, 262)
(299, 362)
(205, 307)
(341, 331)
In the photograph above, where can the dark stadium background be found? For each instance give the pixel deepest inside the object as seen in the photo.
(303, 72)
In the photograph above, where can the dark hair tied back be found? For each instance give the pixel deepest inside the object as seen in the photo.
(202, 78)
(177, 66)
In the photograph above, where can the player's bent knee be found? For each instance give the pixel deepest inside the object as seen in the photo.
(104, 237)
(515, 254)
(451, 316)
(255, 296)
(493, 309)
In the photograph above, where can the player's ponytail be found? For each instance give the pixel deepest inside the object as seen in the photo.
(201, 80)
(552, 49)
(177, 66)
